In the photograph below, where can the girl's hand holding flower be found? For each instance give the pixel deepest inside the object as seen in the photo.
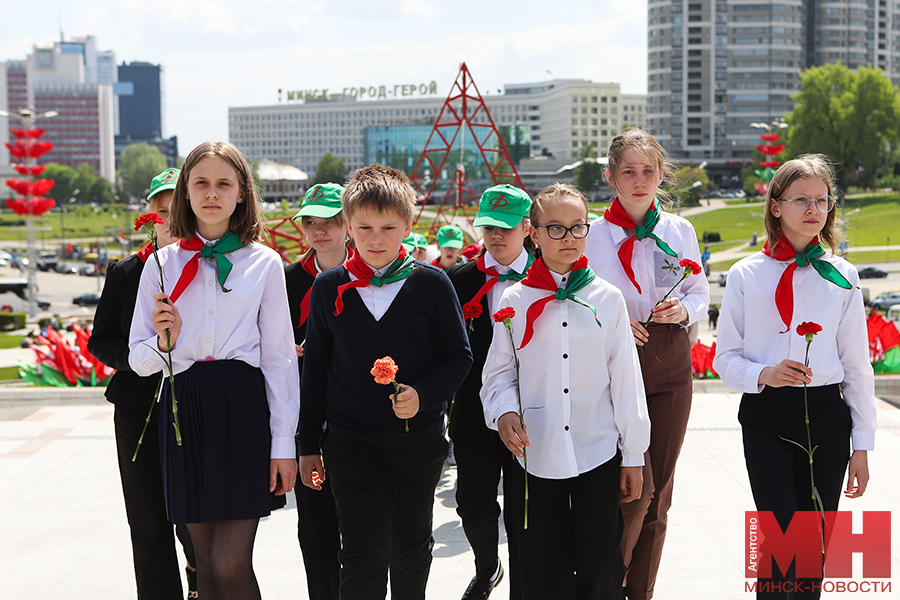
(787, 372)
(511, 433)
(640, 333)
(312, 471)
(165, 316)
(669, 311)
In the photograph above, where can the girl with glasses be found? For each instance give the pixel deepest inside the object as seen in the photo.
(637, 247)
(800, 391)
(566, 367)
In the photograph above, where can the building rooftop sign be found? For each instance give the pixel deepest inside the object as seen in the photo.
(381, 92)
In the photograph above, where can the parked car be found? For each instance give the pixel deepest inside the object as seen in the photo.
(722, 280)
(86, 299)
(5, 258)
(885, 300)
(872, 273)
(47, 261)
(89, 270)
(66, 269)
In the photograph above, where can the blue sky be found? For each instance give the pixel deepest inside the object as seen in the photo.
(221, 53)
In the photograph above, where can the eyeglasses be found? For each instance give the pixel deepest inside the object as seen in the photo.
(558, 232)
(800, 203)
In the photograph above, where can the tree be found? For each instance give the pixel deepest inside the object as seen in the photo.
(101, 192)
(588, 176)
(330, 169)
(683, 180)
(65, 185)
(852, 117)
(138, 165)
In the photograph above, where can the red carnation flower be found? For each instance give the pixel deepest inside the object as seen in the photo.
(808, 328)
(149, 218)
(384, 370)
(471, 310)
(504, 313)
(695, 268)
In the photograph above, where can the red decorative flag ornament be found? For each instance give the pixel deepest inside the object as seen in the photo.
(770, 164)
(770, 137)
(38, 187)
(34, 170)
(771, 150)
(27, 133)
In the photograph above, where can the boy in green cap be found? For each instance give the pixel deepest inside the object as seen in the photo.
(480, 455)
(450, 241)
(325, 228)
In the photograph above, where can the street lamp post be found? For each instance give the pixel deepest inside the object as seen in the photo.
(28, 149)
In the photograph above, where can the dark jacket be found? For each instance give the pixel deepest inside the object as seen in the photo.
(466, 413)
(109, 339)
(422, 331)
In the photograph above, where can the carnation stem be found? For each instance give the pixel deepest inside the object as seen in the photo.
(146, 423)
(684, 275)
(397, 390)
(162, 288)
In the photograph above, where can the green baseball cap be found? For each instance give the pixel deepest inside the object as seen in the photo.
(415, 241)
(450, 236)
(167, 180)
(322, 200)
(502, 206)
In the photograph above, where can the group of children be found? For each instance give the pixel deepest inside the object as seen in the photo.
(552, 352)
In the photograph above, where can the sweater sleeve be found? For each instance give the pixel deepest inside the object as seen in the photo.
(317, 357)
(454, 356)
(107, 342)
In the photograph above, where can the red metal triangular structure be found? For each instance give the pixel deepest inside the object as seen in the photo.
(464, 107)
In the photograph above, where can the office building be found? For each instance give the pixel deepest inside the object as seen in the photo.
(555, 118)
(67, 78)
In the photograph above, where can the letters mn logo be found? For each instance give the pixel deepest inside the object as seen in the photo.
(765, 540)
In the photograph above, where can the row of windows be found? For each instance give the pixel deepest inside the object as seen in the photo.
(594, 99)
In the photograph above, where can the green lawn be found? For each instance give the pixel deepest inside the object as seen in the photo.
(9, 373)
(735, 224)
(10, 340)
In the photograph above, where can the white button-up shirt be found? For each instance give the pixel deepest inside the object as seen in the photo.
(496, 292)
(655, 271)
(750, 340)
(251, 323)
(580, 383)
(378, 299)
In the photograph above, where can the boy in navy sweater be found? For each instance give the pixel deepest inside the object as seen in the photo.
(383, 454)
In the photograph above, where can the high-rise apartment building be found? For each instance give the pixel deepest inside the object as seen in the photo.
(717, 66)
(57, 79)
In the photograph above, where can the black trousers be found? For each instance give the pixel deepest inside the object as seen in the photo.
(385, 501)
(153, 545)
(478, 470)
(320, 540)
(779, 470)
(572, 547)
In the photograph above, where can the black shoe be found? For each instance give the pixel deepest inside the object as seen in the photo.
(192, 583)
(479, 589)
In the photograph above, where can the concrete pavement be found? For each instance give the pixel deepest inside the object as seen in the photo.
(63, 532)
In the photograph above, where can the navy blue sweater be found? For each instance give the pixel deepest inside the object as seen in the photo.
(423, 331)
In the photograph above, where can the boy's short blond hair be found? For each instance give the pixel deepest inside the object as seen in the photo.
(379, 188)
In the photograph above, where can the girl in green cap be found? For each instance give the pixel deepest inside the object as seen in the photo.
(325, 229)
(450, 241)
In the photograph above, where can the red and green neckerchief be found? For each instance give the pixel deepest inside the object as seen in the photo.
(494, 277)
(784, 292)
(399, 270)
(227, 243)
(145, 252)
(308, 264)
(539, 277)
(616, 215)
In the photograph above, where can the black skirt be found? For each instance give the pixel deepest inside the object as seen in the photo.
(221, 470)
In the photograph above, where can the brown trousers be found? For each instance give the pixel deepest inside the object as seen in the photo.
(667, 380)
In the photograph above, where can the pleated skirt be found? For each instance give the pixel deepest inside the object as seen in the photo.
(220, 471)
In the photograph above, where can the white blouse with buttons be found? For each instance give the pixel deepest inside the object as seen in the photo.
(750, 338)
(251, 323)
(655, 271)
(580, 383)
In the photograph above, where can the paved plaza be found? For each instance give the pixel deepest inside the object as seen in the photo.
(63, 532)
